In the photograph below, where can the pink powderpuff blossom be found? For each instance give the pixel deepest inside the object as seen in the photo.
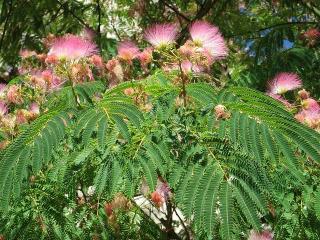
(157, 199)
(310, 103)
(145, 57)
(310, 113)
(160, 35)
(310, 117)
(14, 94)
(186, 66)
(115, 71)
(26, 53)
(56, 83)
(34, 110)
(37, 81)
(187, 49)
(161, 194)
(47, 75)
(208, 37)
(21, 116)
(3, 108)
(303, 94)
(96, 60)
(284, 82)
(127, 51)
(263, 235)
(42, 57)
(52, 59)
(72, 47)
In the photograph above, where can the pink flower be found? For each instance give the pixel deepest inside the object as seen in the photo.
(96, 60)
(310, 104)
(14, 94)
(157, 198)
(280, 99)
(42, 57)
(196, 68)
(312, 34)
(127, 51)
(37, 81)
(263, 235)
(303, 94)
(284, 82)
(56, 83)
(3, 108)
(186, 66)
(34, 108)
(310, 117)
(115, 71)
(187, 49)
(26, 53)
(310, 113)
(21, 116)
(34, 111)
(161, 194)
(72, 47)
(145, 57)
(47, 75)
(52, 59)
(160, 35)
(208, 37)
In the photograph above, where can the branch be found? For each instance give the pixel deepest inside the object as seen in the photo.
(73, 14)
(176, 11)
(271, 27)
(6, 21)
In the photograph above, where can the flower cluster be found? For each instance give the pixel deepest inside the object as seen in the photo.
(70, 59)
(73, 59)
(196, 55)
(311, 36)
(263, 235)
(307, 108)
(161, 194)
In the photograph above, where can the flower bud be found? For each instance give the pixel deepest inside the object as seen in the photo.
(303, 94)
(221, 112)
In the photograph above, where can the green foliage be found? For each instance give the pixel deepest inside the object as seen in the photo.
(220, 173)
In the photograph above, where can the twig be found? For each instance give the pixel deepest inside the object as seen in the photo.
(184, 92)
